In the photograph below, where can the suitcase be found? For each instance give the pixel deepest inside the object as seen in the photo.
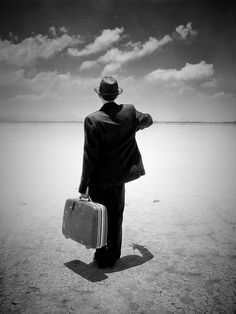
(85, 222)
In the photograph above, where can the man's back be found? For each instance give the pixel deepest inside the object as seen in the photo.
(110, 142)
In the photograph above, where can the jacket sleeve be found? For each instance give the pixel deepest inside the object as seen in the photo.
(90, 153)
(144, 120)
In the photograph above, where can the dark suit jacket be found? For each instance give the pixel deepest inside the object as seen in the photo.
(111, 155)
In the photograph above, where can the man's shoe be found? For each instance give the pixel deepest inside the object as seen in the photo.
(104, 258)
(104, 261)
(101, 253)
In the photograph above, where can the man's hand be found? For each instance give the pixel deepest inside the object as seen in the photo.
(85, 195)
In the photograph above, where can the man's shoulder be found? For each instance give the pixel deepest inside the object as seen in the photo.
(128, 106)
(92, 115)
(127, 109)
(96, 115)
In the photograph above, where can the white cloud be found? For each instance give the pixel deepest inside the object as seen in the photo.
(186, 34)
(199, 72)
(58, 83)
(13, 37)
(118, 56)
(88, 64)
(222, 96)
(63, 29)
(115, 57)
(189, 80)
(22, 82)
(46, 95)
(210, 84)
(11, 77)
(52, 31)
(26, 52)
(107, 38)
(111, 68)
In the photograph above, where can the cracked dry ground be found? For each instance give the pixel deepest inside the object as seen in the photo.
(180, 263)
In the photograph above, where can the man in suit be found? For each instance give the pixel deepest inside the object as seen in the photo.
(111, 158)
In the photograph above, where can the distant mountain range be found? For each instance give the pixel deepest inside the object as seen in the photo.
(58, 118)
(17, 119)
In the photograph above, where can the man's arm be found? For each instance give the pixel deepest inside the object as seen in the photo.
(89, 155)
(144, 120)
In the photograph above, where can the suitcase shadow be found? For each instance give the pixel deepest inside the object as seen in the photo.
(94, 274)
(87, 271)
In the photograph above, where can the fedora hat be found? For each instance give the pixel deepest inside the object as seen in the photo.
(108, 86)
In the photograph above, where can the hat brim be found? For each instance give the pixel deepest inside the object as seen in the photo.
(120, 90)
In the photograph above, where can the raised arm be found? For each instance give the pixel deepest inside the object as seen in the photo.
(144, 120)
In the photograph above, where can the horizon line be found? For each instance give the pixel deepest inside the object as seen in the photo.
(155, 121)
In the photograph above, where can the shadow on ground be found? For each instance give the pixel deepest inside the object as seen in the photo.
(92, 273)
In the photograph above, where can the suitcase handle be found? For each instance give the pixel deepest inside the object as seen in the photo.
(81, 199)
(88, 199)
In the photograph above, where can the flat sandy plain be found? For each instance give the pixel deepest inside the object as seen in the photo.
(179, 232)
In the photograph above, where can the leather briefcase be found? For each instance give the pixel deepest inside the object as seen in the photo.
(85, 222)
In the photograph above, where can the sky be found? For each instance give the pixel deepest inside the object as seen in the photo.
(173, 58)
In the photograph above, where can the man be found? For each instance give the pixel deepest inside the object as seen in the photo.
(111, 158)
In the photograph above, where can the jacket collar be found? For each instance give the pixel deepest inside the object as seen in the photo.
(108, 105)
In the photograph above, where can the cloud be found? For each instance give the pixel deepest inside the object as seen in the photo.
(88, 64)
(210, 84)
(50, 93)
(186, 34)
(189, 80)
(63, 29)
(46, 95)
(111, 68)
(26, 52)
(52, 81)
(13, 37)
(107, 38)
(59, 83)
(11, 77)
(52, 31)
(25, 82)
(115, 57)
(139, 51)
(199, 72)
(222, 96)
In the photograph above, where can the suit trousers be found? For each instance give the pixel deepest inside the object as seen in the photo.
(113, 197)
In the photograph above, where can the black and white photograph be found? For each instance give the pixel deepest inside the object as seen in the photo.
(117, 161)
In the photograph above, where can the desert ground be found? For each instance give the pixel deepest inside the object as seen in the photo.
(179, 231)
